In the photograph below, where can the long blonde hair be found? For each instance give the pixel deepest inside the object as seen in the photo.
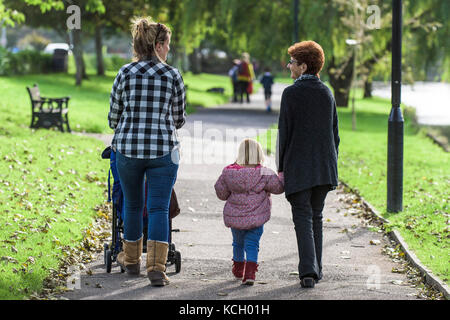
(146, 34)
(250, 152)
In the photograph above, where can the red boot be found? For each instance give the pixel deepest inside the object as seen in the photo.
(250, 270)
(238, 269)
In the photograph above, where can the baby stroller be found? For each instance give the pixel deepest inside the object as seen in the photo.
(111, 250)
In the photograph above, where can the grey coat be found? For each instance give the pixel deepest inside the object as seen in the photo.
(308, 136)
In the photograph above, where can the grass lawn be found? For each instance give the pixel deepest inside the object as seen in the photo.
(92, 98)
(424, 222)
(49, 185)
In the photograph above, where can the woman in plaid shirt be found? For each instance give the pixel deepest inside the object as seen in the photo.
(147, 105)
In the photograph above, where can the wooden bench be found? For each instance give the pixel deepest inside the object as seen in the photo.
(48, 112)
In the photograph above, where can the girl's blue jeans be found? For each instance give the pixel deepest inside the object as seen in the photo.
(246, 242)
(161, 174)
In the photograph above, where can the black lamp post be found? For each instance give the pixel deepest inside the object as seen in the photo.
(395, 124)
(295, 33)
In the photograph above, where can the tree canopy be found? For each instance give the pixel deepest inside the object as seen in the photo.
(264, 28)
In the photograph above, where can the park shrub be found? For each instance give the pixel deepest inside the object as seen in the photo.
(114, 62)
(110, 62)
(24, 62)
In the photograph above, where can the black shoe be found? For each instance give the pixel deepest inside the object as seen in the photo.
(307, 282)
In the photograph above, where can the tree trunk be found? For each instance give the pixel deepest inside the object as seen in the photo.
(368, 88)
(196, 62)
(341, 80)
(84, 73)
(177, 56)
(99, 51)
(78, 55)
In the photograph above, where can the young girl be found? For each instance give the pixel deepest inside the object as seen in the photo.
(246, 186)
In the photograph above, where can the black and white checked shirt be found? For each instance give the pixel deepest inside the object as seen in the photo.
(147, 105)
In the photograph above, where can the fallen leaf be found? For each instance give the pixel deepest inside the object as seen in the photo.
(8, 259)
(396, 270)
(31, 260)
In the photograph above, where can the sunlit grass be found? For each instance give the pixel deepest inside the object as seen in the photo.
(49, 185)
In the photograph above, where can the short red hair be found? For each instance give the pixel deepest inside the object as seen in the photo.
(310, 53)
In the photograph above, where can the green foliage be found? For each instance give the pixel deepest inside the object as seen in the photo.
(9, 17)
(24, 62)
(426, 38)
(46, 5)
(110, 62)
(33, 41)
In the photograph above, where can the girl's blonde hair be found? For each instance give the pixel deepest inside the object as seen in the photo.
(250, 152)
(146, 34)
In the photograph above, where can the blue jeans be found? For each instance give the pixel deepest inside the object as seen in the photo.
(246, 241)
(161, 174)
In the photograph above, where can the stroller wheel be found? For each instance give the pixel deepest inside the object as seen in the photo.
(108, 260)
(177, 261)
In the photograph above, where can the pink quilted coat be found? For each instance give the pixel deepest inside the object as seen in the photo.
(247, 194)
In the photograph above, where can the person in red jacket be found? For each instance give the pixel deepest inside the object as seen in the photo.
(245, 77)
(246, 186)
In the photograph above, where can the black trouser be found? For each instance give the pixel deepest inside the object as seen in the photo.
(235, 90)
(242, 85)
(307, 206)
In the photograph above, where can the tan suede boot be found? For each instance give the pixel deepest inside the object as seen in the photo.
(130, 257)
(156, 262)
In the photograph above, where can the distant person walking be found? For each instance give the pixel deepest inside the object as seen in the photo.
(245, 77)
(147, 105)
(233, 73)
(308, 153)
(267, 82)
(246, 187)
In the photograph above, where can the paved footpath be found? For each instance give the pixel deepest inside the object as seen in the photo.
(352, 267)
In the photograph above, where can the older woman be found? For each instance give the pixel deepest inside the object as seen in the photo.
(308, 152)
(147, 105)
